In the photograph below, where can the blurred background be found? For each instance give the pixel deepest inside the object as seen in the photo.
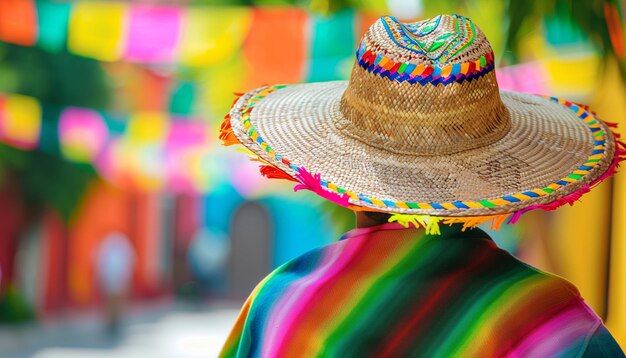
(127, 230)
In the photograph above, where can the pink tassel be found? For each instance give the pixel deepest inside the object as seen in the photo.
(312, 183)
(568, 199)
(619, 156)
(515, 217)
(612, 170)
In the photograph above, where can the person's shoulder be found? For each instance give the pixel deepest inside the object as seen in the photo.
(560, 284)
(565, 316)
(313, 257)
(300, 266)
(600, 343)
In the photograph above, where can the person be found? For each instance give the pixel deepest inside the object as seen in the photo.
(423, 146)
(115, 263)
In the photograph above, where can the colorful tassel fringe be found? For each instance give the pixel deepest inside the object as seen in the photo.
(313, 183)
(473, 221)
(430, 223)
(271, 172)
(226, 131)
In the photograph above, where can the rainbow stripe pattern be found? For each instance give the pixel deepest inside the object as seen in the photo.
(412, 73)
(392, 292)
(447, 44)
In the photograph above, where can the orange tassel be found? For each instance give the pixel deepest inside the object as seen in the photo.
(226, 123)
(237, 96)
(271, 172)
(498, 220)
(228, 138)
(226, 133)
(468, 222)
(473, 221)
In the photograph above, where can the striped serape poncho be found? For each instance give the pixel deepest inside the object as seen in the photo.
(387, 291)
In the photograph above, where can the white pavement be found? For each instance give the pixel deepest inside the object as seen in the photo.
(170, 332)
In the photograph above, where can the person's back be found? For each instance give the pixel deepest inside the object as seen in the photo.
(387, 291)
(421, 133)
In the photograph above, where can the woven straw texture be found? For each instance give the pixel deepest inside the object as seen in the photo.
(546, 142)
(462, 141)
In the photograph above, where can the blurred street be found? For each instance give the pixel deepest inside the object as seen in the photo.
(160, 330)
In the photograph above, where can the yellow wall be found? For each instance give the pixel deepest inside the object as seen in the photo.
(610, 101)
(580, 234)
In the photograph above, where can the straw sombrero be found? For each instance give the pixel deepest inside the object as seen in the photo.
(421, 130)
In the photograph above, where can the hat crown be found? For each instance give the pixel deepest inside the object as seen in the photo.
(441, 40)
(425, 88)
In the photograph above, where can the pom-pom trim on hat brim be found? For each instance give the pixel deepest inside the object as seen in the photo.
(430, 223)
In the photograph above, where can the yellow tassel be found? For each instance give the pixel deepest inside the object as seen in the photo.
(246, 151)
(253, 156)
(432, 225)
(429, 223)
(404, 220)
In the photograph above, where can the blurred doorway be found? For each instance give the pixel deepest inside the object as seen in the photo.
(251, 244)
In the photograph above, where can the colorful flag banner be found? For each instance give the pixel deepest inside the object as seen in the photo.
(276, 48)
(142, 149)
(82, 133)
(153, 33)
(527, 77)
(194, 36)
(559, 70)
(53, 22)
(219, 84)
(212, 35)
(560, 30)
(182, 98)
(138, 88)
(97, 29)
(18, 22)
(151, 91)
(332, 60)
(145, 128)
(148, 150)
(186, 141)
(20, 121)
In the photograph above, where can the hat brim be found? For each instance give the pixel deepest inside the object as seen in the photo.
(553, 149)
